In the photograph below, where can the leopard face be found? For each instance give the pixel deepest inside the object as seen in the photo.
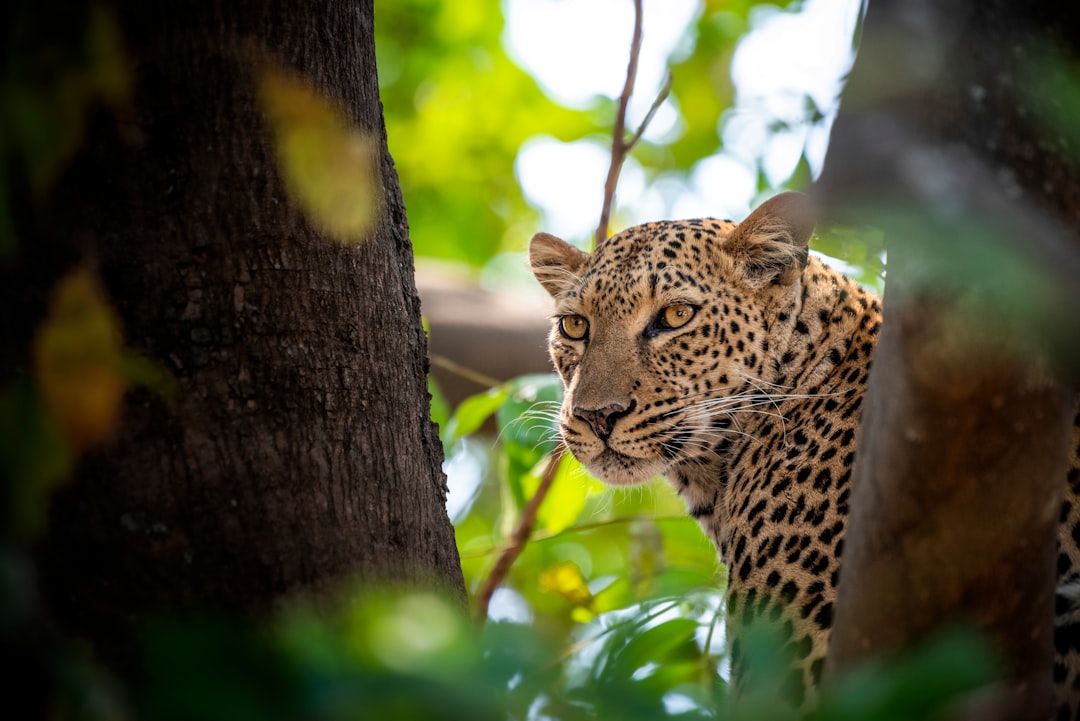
(662, 336)
(649, 371)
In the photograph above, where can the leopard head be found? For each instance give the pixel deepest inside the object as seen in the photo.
(659, 332)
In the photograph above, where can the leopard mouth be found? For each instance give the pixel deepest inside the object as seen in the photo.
(607, 458)
(618, 469)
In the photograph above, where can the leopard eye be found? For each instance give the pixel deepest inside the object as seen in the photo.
(676, 316)
(573, 327)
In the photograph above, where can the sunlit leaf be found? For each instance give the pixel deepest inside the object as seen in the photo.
(565, 579)
(330, 167)
(79, 360)
(566, 497)
(862, 249)
(663, 642)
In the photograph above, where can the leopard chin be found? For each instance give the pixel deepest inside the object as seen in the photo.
(618, 469)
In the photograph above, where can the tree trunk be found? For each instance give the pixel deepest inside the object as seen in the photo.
(946, 141)
(297, 453)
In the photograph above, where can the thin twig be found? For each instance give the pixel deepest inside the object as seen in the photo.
(582, 527)
(516, 543)
(660, 98)
(620, 144)
(461, 371)
(618, 136)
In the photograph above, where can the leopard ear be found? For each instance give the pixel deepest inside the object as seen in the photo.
(772, 243)
(555, 263)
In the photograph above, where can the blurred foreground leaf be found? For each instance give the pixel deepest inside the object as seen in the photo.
(923, 684)
(330, 167)
(79, 361)
(34, 459)
(53, 84)
(211, 669)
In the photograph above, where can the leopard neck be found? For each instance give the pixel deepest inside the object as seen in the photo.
(819, 339)
(824, 326)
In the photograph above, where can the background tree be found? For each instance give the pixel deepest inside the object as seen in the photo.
(235, 199)
(953, 139)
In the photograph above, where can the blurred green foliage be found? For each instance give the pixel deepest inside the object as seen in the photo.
(458, 110)
(416, 657)
(51, 83)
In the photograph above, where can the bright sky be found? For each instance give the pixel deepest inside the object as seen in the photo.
(785, 57)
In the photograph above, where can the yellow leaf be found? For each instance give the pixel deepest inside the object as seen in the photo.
(566, 580)
(330, 168)
(78, 361)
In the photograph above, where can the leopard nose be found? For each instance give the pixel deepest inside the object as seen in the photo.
(602, 420)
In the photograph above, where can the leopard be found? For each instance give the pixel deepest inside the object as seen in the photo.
(729, 359)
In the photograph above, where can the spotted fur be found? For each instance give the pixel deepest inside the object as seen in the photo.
(750, 407)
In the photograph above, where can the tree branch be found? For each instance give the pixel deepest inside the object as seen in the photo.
(450, 366)
(661, 96)
(620, 145)
(516, 543)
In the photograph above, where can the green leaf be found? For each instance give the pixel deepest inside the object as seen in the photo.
(34, 457)
(567, 495)
(471, 414)
(801, 177)
(861, 248)
(920, 684)
(524, 416)
(526, 435)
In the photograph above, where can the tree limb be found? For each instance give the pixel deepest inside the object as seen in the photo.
(516, 543)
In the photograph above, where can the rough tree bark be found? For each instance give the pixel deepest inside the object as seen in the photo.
(297, 453)
(947, 141)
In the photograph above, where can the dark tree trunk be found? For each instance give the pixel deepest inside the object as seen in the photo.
(950, 139)
(297, 453)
